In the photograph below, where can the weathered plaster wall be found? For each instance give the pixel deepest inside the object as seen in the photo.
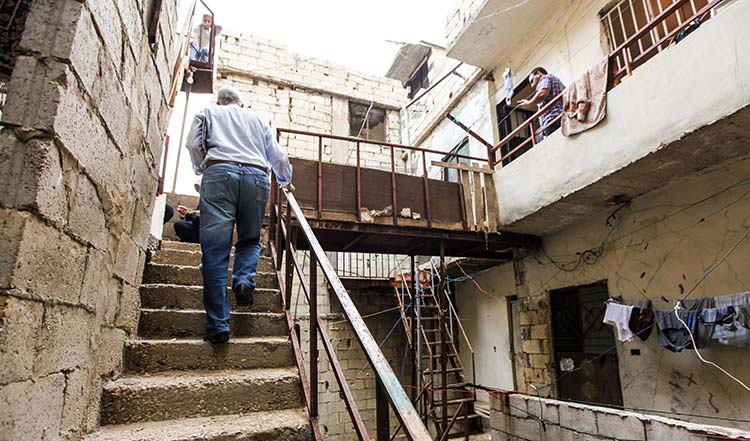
(81, 135)
(644, 115)
(522, 417)
(299, 92)
(659, 245)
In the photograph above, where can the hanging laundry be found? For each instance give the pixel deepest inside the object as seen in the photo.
(675, 337)
(736, 333)
(727, 327)
(585, 100)
(642, 321)
(618, 316)
(508, 86)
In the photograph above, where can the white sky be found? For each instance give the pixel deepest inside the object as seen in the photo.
(348, 32)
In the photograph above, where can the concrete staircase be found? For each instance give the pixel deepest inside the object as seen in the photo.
(178, 388)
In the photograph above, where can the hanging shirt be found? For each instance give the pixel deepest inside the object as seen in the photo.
(618, 316)
(642, 322)
(736, 333)
(674, 336)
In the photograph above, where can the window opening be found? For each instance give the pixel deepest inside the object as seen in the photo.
(626, 18)
(12, 23)
(449, 174)
(367, 122)
(419, 80)
(509, 120)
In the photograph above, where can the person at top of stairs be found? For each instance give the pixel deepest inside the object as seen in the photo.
(233, 148)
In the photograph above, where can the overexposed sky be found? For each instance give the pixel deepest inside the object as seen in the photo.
(348, 32)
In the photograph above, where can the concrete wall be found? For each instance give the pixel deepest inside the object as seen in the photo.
(299, 92)
(659, 245)
(646, 113)
(81, 135)
(522, 417)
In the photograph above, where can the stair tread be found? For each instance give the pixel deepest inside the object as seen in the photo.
(198, 287)
(171, 379)
(268, 425)
(201, 311)
(195, 341)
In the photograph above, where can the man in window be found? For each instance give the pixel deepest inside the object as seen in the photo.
(200, 39)
(547, 87)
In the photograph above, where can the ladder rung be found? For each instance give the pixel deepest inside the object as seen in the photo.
(449, 370)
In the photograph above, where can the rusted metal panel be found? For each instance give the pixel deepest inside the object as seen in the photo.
(476, 193)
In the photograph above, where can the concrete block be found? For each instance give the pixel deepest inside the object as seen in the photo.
(11, 230)
(578, 419)
(662, 431)
(63, 340)
(51, 27)
(31, 410)
(111, 103)
(133, 20)
(31, 176)
(95, 279)
(79, 389)
(614, 425)
(517, 405)
(129, 260)
(86, 218)
(105, 16)
(109, 347)
(129, 309)
(19, 324)
(49, 265)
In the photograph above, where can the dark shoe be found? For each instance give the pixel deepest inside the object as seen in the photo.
(243, 294)
(216, 338)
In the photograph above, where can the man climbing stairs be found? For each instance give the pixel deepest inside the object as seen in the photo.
(176, 387)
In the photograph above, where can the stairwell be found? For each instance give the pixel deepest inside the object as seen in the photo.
(176, 387)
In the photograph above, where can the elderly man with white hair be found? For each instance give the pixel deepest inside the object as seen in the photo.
(233, 149)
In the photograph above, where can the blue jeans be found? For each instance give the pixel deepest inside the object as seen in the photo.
(230, 194)
(197, 54)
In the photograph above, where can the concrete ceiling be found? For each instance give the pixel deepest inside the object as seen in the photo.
(498, 26)
(406, 61)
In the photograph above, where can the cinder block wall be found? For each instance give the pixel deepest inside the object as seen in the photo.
(81, 135)
(522, 417)
(294, 91)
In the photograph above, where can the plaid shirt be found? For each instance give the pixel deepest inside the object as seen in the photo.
(556, 87)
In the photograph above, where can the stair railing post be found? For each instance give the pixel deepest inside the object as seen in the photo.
(289, 265)
(443, 337)
(382, 412)
(313, 335)
(413, 331)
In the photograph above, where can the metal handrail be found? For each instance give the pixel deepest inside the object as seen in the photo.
(393, 393)
(622, 50)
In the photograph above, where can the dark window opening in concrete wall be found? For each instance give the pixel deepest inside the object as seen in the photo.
(510, 117)
(12, 22)
(419, 80)
(585, 359)
(451, 175)
(367, 121)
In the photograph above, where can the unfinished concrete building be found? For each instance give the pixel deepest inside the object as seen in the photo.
(442, 269)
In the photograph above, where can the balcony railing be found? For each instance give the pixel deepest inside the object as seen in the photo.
(621, 64)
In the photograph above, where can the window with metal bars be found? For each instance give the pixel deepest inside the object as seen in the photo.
(625, 19)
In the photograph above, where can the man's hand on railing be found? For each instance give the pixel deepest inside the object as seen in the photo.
(289, 187)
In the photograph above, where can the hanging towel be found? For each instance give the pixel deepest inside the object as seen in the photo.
(618, 316)
(742, 298)
(675, 337)
(585, 100)
(508, 86)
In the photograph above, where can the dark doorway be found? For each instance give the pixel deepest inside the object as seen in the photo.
(584, 355)
(509, 119)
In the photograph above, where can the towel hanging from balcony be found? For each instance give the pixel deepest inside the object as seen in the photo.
(585, 100)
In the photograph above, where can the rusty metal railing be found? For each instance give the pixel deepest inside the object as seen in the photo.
(288, 224)
(621, 65)
(358, 145)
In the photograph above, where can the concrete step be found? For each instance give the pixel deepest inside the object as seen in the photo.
(240, 353)
(173, 395)
(185, 246)
(163, 296)
(191, 275)
(170, 323)
(281, 425)
(193, 258)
